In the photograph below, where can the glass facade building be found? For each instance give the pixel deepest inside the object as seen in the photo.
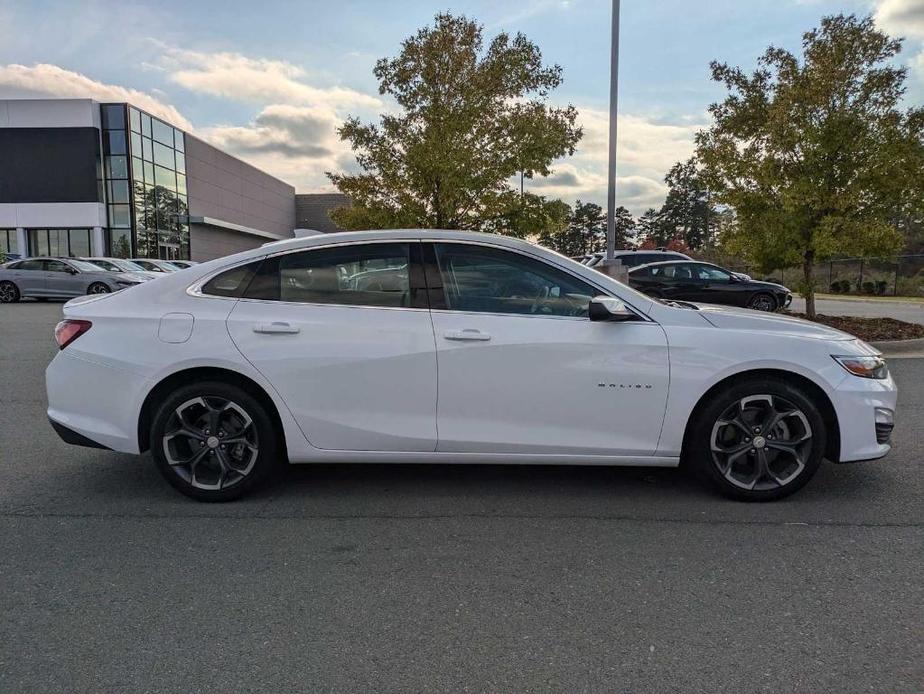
(144, 162)
(8, 242)
(73, 243)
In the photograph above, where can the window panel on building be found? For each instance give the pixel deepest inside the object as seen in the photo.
(147, 149)
(115, 142)
(149, 173)
(145, 125)
(136, 145)
(79, 242)
(120, 216)
(181, 162)
(116, 167)
(134, 119)
(113, 115)
(118, 191)
(163, 133)
(165, 178)
(120, 243)
(179, 140)
(8, 241)
(163, 155)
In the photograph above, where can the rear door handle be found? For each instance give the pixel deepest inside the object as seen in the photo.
(277, 328)
(467, 334)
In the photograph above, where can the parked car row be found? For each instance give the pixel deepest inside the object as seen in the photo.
(674, 276)
(62, 278)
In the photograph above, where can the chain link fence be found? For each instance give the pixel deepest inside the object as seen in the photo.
(901, 275)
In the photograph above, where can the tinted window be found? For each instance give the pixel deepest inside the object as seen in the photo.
(55, 266)
(360, 275)
(489, 280)
(231, 282)
(680, 271)
(713, 274)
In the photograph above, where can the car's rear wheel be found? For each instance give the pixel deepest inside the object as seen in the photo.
(213, 441)
(9, 293)
(98, 288)
(762, 302)
(759, 440)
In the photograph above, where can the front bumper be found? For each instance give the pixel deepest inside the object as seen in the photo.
(865, 410)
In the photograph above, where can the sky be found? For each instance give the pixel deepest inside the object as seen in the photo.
(270, 81)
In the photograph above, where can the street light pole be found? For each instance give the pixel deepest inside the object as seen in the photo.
(611, 191)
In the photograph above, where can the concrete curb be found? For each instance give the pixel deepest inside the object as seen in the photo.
(901, 348)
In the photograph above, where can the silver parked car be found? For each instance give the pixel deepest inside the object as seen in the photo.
(57, 278)
(156, 265)
(122, 265)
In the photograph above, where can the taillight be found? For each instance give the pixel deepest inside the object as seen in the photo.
(69, 330)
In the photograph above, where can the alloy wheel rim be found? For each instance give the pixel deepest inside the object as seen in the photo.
(211, 443)
(6, 293)
(761, 442)
(762, 303)
(99, 289)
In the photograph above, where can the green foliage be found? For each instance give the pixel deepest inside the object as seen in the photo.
(688, 212)
(813, 153)
(471, 118)
(585, 230)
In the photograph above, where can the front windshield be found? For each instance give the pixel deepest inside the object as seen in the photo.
(105, 264)
(128, 266)
(171, 266)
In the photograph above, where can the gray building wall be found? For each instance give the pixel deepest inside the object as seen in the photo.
(226, 189)
(207, 242)
(311, 210)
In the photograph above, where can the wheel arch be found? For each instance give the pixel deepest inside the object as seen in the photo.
(206, 373)
(812, 389)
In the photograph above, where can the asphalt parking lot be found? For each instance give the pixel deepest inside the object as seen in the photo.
(454, 578)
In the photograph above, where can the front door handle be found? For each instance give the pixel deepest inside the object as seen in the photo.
(276, 328)
(467, 334)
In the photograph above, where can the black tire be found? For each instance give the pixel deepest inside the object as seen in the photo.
(9, 293)
(99, 288)
(763, 302)
(235, 475)
(748, 444)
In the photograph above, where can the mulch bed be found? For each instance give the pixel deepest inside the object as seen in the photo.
(871, 329)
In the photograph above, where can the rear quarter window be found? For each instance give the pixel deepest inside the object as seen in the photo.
(233, 282)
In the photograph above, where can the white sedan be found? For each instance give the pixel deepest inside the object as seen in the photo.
(453, 347)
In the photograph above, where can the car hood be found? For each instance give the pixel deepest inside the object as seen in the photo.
(746, 319)
(770, 286)
(135, 276)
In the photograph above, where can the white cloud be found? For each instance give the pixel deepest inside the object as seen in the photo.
(257, 80)
(646, 149)
(901, 17)
(295, 143)
(51, 80)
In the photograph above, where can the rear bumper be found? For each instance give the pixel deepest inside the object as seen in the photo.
(72, 437)
(94, 401)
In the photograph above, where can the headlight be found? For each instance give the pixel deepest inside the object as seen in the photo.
(865, 367)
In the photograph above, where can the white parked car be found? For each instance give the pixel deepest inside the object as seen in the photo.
(456, 348)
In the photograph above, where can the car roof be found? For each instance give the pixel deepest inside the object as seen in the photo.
(685, 261)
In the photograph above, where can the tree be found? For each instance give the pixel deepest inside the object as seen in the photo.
(688, 211)
(472, 117)
(625, 228)
(814, 154)
(650, 229)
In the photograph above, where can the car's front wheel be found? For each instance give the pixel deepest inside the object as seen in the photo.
(9, 293)
(213, 441)
(762, 302)
(759, 440)
(98, 288)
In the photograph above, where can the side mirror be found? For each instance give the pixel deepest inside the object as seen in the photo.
(71, 271)
(608, 308)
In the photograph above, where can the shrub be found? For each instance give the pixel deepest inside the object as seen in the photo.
(881, 287)
(869, 287)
